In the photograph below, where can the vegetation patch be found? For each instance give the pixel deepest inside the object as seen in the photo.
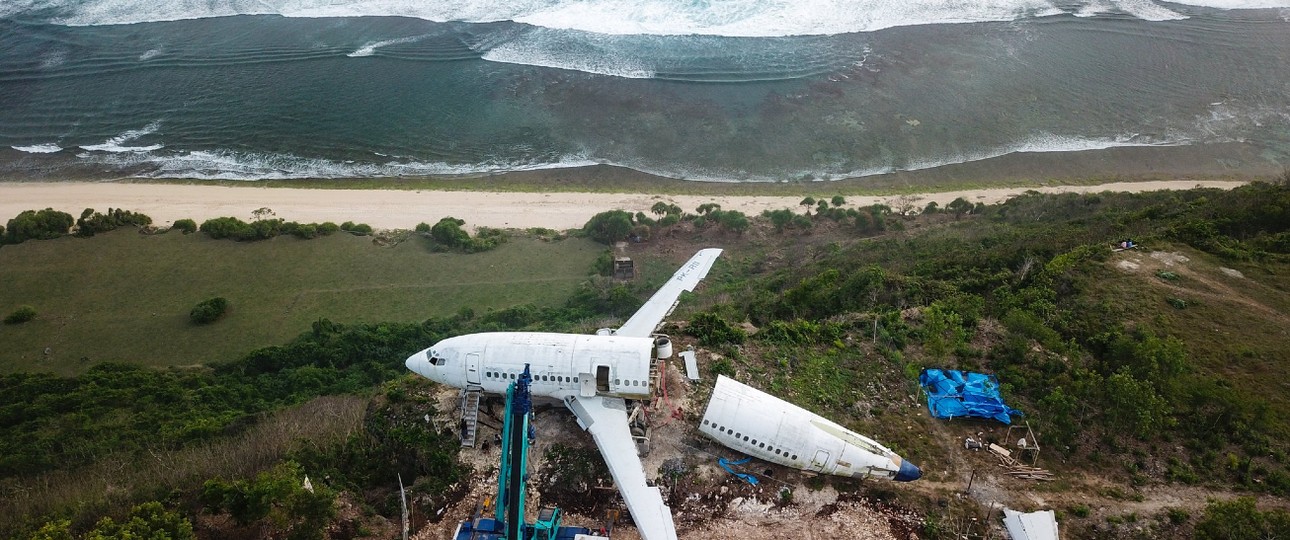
(208, 311)
(20, 315)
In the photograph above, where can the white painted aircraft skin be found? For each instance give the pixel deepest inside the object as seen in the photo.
(746, 419)
(590, 374)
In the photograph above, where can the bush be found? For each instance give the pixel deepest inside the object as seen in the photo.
(92, 222)
(448, 232)
(711, 329)
(148, 520)
(609, 227)
(208, 311)
(38, 225)
(188, 226)
(361, 229)
(423, 227)
(21, 315)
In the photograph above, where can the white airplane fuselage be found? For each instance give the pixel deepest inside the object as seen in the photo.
(561, 364)
(761, 425)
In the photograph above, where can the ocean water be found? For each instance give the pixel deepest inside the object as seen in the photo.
(727, 90)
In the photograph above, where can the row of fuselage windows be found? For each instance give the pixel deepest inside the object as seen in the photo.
(559, 379)
(749, 440)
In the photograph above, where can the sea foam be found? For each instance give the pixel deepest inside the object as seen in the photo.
(245, 166)
(116, 144)
(370, 47)
(47, 148)
(745, 18)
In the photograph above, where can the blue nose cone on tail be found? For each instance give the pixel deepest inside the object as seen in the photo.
(908, 472)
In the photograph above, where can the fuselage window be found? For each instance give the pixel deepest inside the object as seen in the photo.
(705, 421)
(745, 438)
(794, 457)
(617, 382)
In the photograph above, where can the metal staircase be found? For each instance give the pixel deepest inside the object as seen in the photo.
(469, 416)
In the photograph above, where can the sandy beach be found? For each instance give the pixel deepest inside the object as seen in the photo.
(397, 209)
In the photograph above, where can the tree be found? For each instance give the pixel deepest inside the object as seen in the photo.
(942, 330)
(609, 227)
(959, 207)
(659, 208)
(931, 208)
(1134, 405)
(838, 201)
(808, 202)
(38, 225)
(905, 204)
(91, 222)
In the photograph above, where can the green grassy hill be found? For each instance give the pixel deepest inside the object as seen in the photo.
(125, 297)
(1154, 376)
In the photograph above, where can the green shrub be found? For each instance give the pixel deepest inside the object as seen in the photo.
(21, 315)
(148, 520)
(423, 227)
(609, 227)
(327, 228)
(448, 232)
(38, 225)
(361, 229)
(231, 227)
(188, 226)
(604, 264)
(91, 222)
(276, 497)
(711, 329)
(208, 311)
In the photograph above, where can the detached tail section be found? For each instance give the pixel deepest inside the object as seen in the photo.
(649, 316)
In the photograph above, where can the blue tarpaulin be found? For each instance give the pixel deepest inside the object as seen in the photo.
(742, 476)
(952, 393)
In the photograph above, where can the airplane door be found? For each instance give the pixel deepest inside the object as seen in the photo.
(472, 368)
(820, 461)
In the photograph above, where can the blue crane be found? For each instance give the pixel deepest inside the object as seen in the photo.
(507, 521)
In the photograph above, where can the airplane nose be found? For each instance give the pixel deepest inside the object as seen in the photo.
(417, 363)
(908, 472)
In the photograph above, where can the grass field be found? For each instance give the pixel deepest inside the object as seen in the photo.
(123, 296)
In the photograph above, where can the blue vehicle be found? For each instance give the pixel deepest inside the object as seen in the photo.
(507, 520)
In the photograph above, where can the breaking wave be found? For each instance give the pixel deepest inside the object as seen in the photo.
(117, 144)
(47, 148)
(745, 18)
(230, 165)
(369, 48)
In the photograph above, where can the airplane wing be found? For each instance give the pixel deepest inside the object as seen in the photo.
(606, 419)
(648, 317)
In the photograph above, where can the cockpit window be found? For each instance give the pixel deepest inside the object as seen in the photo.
(434, 359)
